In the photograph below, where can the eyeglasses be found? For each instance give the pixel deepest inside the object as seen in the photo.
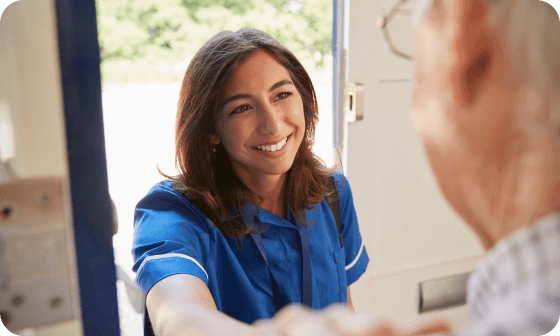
(382, 23)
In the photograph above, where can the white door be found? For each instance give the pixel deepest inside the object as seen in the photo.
(411, 234)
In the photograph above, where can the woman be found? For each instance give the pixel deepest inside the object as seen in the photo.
(244, 229)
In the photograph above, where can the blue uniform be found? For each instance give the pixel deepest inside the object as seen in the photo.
(172, 236)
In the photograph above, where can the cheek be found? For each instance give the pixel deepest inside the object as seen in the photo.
(444, 169)
(432, 59)
(300, 124)
(232, 135)
(431, 122)
(441, 142)
(440, 138)
(299, 114)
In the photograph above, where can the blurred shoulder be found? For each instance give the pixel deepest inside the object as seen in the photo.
(165, 197)
(342, 184)
(163, 190)
(165, 206)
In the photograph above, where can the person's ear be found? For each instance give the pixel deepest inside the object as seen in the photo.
(471, 47)
(214, 139)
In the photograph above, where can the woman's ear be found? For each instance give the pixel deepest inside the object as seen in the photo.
(214, 139)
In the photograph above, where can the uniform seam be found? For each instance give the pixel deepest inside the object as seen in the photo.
(170, 255)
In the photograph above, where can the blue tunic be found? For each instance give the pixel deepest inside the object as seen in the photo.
(172, 236)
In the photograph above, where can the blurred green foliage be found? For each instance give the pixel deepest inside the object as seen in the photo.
(153, 39)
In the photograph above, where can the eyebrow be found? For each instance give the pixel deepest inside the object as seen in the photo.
(244, 95)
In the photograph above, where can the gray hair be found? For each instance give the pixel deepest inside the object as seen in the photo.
(531, 32)
(532, 36)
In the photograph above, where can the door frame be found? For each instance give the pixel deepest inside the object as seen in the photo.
(91, 204)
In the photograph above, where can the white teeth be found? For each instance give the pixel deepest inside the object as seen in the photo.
(273, 148)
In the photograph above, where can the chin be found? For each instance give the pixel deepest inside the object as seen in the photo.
(276, 170)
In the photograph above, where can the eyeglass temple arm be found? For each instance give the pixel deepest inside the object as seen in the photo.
(382, 23)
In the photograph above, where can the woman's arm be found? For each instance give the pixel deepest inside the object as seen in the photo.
(181, 304)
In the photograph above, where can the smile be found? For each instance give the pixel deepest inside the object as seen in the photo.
(273, 148)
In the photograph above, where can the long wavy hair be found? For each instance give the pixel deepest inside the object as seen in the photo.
(206, 176)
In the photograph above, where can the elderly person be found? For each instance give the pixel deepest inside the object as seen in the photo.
(486, 105)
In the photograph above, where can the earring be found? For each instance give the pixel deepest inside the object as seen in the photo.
(213, 146)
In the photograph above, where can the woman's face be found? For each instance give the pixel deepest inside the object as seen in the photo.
(261, 122)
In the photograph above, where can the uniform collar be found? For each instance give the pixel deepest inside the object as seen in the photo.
(266, 218)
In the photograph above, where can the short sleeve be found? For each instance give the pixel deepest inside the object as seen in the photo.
(355, 251)
(170, 237)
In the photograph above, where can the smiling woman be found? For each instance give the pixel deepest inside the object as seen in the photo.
(245, 228)
(229, 101)
(261, 127)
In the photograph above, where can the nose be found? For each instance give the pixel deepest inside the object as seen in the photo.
(272, 120)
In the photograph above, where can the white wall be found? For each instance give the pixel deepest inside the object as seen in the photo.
(30, 88)
(31, 99)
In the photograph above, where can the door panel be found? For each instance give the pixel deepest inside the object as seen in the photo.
(56, 225)
(404, 219)
(37, 247)
(395, 296)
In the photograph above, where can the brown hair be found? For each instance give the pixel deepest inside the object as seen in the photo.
(205, 174)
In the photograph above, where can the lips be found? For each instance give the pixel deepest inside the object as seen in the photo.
(273, 147)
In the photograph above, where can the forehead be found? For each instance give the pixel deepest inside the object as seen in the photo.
(259, 71)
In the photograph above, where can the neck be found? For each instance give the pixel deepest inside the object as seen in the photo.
(271, 188)
(519, 195)
(512, 177)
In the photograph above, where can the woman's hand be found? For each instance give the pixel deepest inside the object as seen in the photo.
(339, 320)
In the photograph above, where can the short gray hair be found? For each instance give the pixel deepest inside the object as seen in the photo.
(531, 32)
(532, 36)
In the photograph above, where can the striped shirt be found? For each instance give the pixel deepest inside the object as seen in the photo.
(515, 290)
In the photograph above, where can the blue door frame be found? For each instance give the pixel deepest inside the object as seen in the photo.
(91, 207)
(92, 212)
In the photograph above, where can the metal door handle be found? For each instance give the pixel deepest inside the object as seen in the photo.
(443, 292)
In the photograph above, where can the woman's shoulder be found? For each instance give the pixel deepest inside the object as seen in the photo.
(163, 190)
(166, 198)
(341, 182)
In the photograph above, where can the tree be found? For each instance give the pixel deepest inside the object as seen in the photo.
(151, 31)
(130, 30)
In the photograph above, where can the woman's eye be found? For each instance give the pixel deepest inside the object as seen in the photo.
(241, 108)
(284, 95)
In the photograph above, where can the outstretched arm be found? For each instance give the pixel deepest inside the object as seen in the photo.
(181, 304)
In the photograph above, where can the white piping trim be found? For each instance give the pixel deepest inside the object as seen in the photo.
(170, 255)
(357, 257)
